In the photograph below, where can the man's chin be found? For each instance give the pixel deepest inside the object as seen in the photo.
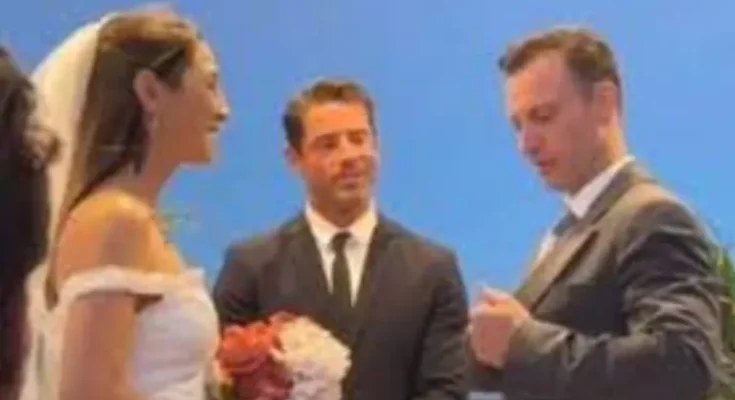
(557, 185)
(352, 198)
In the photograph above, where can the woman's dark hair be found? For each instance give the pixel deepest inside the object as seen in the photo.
(112, 133)
(25, 152)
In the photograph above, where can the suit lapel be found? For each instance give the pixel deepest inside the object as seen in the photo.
(305, 263)
(561, 256)
(553, 264)
(376, 271)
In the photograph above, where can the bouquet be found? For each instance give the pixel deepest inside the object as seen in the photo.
(287, 357)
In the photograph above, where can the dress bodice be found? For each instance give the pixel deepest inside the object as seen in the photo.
(175, 339)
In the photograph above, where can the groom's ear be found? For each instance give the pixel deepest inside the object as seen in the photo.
(293, 158)
(606, 98)
(147, 89)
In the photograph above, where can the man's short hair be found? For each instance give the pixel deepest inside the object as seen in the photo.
(320, 92)
(589, 58)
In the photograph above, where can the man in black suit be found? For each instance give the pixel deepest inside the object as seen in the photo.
(622, 299)
(396, 299)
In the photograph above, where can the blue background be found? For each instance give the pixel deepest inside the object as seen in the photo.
(450, 165)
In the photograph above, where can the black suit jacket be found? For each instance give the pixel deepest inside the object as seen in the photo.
(625, 306)
(410, 315)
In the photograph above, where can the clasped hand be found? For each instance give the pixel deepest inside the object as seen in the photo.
(494, 319)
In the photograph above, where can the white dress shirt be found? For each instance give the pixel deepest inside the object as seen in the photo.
(356, 248)
(579, 203)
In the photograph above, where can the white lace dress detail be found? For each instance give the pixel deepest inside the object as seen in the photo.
(175, 339)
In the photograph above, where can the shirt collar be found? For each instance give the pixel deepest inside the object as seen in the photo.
(361, 230)
(581, 202)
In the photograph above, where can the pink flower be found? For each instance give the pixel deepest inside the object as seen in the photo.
(246, 354)
(284, 358)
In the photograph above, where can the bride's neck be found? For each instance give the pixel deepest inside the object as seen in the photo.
(145, 185)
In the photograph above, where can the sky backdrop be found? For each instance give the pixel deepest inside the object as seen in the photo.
(450, 166)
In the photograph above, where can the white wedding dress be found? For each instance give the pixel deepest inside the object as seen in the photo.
(175, 338)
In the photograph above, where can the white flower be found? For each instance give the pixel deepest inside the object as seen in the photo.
(317, 360)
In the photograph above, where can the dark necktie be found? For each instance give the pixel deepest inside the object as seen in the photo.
(564, 225)
(341, 289)
(561, 227)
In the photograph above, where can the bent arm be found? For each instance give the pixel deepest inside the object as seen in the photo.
(442, 373)
(98, 342)
(101, 317)
(235, 295)
(669, 293)
(482, 378)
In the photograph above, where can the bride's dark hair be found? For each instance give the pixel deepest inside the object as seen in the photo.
(25, 151)
(112, 132)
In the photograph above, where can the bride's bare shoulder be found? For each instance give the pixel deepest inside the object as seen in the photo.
(107, 229)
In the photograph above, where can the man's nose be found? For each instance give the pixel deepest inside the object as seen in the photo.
(529, 141)
(349, 152)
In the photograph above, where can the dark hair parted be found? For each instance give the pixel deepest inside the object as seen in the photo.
(321, 92)
(588, 57)
(112, 132)
(25, 153)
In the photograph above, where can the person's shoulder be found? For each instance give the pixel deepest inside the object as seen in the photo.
(109, 229)
(417, 245)
(114, 215)
(262, 245)
(654, 211)
(655, 203)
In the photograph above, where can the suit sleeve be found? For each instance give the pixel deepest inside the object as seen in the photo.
(669, 293)
(235, 293)
(482, 378)
(442, 373)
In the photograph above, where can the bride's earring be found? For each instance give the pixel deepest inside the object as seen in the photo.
(141, 141)
(153, 124)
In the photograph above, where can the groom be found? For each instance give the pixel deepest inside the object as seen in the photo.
(621, 301)
(396, 299)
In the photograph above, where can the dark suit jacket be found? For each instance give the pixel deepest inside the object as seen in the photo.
(625, 306)
(407, 339)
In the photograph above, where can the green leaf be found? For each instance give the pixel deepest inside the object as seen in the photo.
(221, 392)
(724, 266)
(172, 221)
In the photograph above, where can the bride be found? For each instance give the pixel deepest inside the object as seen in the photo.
(118, 315)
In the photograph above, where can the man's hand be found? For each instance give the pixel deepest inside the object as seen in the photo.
(493, 321)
